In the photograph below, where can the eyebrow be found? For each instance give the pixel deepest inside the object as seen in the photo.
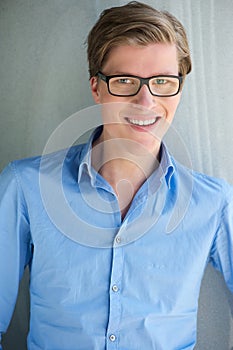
(154, 75)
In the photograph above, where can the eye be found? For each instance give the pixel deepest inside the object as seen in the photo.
(125, 81)
(160, 81)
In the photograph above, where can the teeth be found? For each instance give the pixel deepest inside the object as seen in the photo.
(142, 122)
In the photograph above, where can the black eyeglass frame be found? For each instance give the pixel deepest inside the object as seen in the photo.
(143, 81)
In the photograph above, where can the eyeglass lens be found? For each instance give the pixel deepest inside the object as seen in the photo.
(126, 86)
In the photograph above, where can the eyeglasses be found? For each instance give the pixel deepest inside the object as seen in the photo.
(130, 85)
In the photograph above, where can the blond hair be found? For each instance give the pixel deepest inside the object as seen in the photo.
(135, 24)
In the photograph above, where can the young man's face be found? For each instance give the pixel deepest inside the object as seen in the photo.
(142, 118)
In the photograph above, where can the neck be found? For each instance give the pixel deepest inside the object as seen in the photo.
(124, 169)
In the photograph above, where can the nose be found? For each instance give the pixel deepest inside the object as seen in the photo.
(144, 97)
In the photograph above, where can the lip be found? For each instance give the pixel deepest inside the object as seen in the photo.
(140, 118)
(138, 121)
(142, 122)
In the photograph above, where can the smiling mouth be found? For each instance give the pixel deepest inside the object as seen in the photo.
(140, 122)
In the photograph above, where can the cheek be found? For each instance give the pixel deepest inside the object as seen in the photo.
(173, 104)
(111, 113)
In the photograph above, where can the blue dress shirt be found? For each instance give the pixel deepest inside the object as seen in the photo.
(98, 282)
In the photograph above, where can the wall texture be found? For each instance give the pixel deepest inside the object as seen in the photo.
(44, 79)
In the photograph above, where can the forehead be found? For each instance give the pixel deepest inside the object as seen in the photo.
(152, 59)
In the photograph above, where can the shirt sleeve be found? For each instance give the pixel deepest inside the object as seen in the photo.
(222, 250)
(15, 242)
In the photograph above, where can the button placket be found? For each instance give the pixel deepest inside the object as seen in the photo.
(115, 299)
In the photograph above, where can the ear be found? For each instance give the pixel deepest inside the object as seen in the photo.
(94, 89)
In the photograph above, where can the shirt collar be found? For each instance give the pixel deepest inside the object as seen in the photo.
(165, 170)
(85, 163)
(166, 167)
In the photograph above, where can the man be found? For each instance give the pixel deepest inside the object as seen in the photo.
(126, 272)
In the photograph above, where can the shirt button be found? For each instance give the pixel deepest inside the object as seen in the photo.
(118, 239)
(112, 337)
(115, 288)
